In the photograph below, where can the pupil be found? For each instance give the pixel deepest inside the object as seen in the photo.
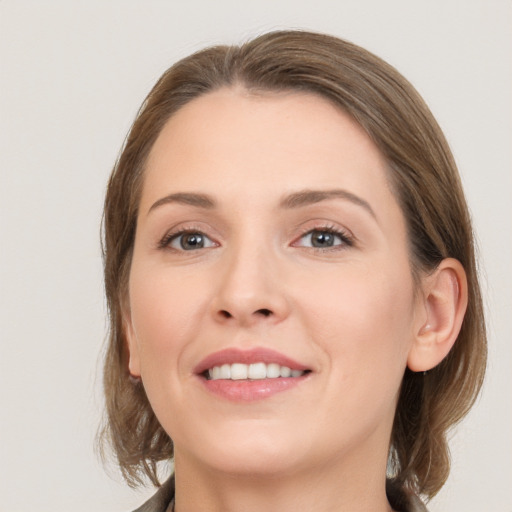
(192, 241)
(322, 239)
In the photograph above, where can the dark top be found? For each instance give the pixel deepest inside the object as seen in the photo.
(163, 497)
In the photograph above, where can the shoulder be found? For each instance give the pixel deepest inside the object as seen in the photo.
(160, 500)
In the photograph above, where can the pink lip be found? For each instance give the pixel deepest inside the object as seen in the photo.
(254, 355)
(249, 390)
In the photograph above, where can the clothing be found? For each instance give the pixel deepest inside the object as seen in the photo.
(416, 505)
(160, 501)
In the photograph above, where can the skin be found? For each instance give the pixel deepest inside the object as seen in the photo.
(349, 312)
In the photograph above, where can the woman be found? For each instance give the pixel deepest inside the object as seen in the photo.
(295, 313)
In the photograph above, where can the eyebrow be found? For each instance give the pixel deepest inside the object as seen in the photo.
(292, 201)
(188, 198)
(308, 197)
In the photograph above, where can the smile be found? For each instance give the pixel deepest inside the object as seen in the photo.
(250, 375)
(254, 371)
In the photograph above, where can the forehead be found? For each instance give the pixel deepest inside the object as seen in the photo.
(233, 141)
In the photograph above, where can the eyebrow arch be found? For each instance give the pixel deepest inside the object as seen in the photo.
(307, 197)
(191, 199)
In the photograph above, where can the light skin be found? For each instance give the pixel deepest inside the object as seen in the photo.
(294, 242)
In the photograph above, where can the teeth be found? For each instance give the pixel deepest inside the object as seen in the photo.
(273, 371)
(285, 371)
(255, 371)
(238, 371)
(225, 371)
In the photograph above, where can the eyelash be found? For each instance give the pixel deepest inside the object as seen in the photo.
(346, 239)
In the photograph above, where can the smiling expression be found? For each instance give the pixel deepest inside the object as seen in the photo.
(271, 300)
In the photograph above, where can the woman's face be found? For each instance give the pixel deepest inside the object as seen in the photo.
(271, 302)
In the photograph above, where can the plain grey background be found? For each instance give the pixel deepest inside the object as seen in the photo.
(72, 75)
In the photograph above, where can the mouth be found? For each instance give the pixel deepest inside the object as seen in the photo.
(254, 371)
(247, 375)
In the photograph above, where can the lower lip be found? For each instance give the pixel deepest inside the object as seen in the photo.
(251, 390)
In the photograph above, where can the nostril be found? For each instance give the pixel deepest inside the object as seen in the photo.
(263, 312)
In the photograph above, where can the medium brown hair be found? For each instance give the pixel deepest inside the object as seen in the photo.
(427, 186)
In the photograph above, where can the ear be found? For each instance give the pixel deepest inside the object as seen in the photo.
(132, 344)
(445, 298)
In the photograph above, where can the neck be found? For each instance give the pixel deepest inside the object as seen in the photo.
(331, 487)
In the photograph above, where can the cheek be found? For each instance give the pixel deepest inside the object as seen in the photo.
(362, 318)
(166, 313)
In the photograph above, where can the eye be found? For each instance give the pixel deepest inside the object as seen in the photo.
(187, 241)
(323, 239)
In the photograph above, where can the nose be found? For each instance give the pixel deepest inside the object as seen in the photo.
(251, 289)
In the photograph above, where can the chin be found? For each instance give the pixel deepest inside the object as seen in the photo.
(249, 453)
(254, 464)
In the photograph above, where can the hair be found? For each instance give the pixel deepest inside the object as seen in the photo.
(424, 179)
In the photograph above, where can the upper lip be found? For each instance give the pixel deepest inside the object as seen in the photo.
(254, 355)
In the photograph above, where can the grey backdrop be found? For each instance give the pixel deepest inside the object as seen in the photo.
(72, 76)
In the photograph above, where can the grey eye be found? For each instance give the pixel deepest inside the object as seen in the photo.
(190, 241)
(321, 239)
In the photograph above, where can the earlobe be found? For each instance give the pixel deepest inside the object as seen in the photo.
(445, 298)
(131, 346)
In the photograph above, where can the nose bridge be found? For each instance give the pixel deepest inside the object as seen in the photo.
(250, 287)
